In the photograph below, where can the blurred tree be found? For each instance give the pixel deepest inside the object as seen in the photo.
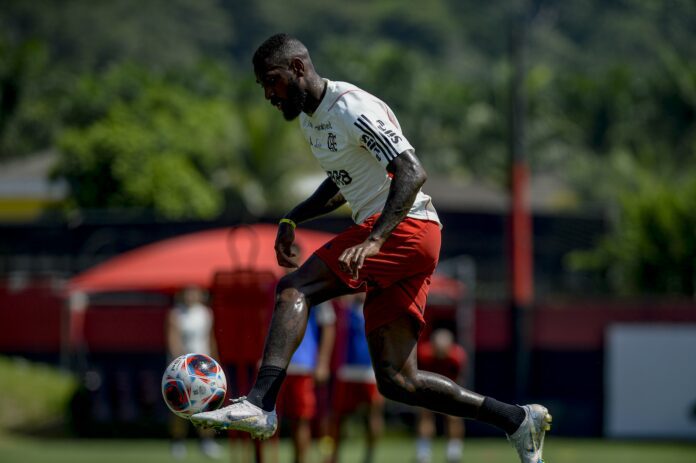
(608, 80)
(171, 144)
(45, 45)
(156, 146)
(83, 35)
(274, 155)
(652, 248)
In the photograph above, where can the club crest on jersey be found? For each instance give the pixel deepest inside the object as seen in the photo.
(331, 142)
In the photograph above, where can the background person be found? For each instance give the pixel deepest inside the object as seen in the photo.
(355, 387)
(443, 356)
(189, 329)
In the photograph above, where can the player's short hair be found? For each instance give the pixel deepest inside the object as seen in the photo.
(278, 49)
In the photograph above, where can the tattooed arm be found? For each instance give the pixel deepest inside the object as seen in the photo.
(408, 177)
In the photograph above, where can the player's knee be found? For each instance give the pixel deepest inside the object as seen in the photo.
(288, 290)
(396, 386)
(286, 282)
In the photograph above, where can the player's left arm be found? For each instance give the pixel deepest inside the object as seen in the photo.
(408, 176)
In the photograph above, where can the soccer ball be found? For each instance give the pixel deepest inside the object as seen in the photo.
(193, 383)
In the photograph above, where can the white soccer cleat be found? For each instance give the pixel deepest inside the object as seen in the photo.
(528, 440)
(242, 415)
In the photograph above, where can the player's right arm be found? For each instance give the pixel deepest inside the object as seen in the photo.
(325, 199)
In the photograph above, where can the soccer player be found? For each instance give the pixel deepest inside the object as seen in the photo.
(390, 253)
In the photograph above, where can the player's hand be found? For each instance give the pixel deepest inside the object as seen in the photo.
(283, 246)
(353, 258)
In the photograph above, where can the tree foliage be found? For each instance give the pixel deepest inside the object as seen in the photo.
(170, 144)
(153, 104)
(156, 147)
(652, 248)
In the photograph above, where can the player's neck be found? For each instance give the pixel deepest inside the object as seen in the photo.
(315, 94)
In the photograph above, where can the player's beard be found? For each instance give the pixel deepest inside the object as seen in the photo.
(294, 103)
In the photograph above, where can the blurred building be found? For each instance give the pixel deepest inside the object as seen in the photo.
(25, 189)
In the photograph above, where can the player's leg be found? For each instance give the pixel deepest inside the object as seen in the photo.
(310, 284)
(341, 406)
(207, 443)
(335, 426)
(454, 426)
(301, 439)
(393, 351)
(375, 424)
(425, 429)
(178, 428)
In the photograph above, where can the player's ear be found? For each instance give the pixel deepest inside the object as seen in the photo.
(297, 66)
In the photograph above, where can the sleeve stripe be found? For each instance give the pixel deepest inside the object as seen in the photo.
(363, 124)
(384, 138)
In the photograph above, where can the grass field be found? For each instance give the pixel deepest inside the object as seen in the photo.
(47, 390)
(393, 449)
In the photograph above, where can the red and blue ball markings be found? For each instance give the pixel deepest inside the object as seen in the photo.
(216, 400)
(202, 366)
(193, 383)
(176, 395)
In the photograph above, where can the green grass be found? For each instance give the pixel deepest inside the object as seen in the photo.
(15, 449)
(33, 395)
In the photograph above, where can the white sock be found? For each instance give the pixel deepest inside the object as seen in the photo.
(454, 449)
(423, 450)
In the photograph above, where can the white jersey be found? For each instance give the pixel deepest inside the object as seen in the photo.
(194, 325)
(354, 135)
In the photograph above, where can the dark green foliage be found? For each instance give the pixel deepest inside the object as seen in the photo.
(153, 103)
(652, 249)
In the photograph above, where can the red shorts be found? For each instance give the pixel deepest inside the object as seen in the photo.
(350, 395)
(397, 279)
(297, 399)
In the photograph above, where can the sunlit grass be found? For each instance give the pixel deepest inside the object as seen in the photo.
(391, 449)
(32, 394)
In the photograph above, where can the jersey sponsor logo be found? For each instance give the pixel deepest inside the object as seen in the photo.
(372, 146)
(376, 139)
(339, 177)
(324, 126)
(315, 143)
(331, 142)
(393, 136)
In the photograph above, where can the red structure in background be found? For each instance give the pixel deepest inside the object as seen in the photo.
(30, 315)
(169, 265)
